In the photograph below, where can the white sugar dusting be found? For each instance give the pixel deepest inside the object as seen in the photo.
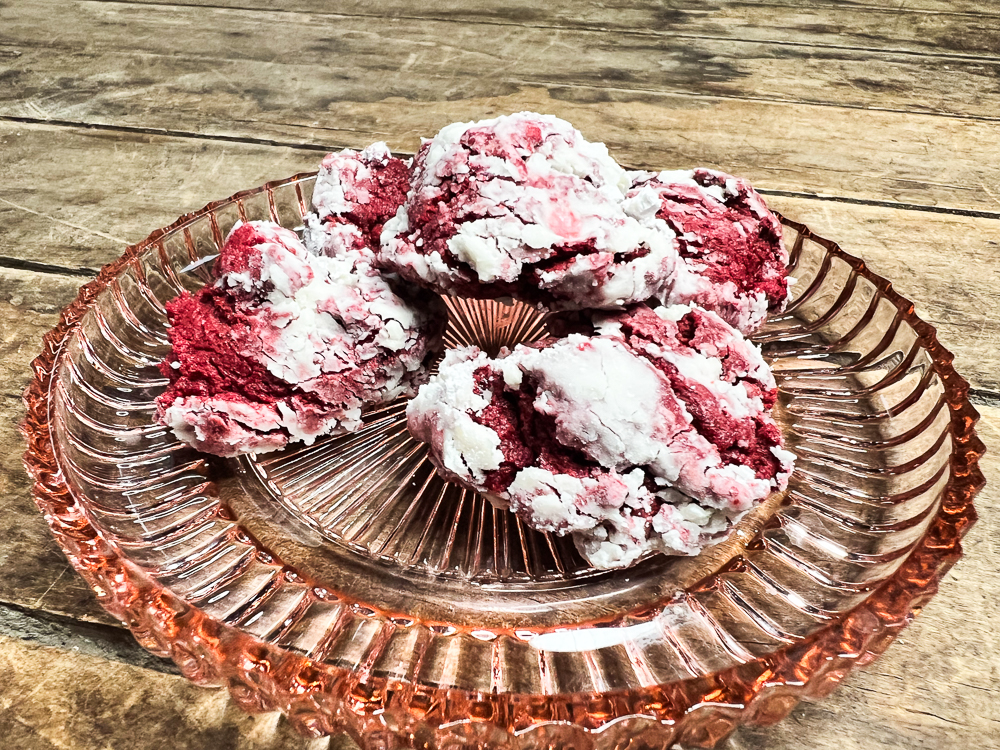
(655, 482)
(343, 179)
(326, 325)
(533, 187)
(744, 309)
(442, 414)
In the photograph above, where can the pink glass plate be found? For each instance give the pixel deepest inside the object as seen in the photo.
(346, 585)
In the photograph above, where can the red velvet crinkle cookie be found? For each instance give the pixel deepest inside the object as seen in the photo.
(287, 345)
(524, 206)
(732, 258)
(653, 434)
(355, 193)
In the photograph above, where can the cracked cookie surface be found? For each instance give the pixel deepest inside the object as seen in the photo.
(288, 345)
(524, 206)
(653, 434)
(732, 258)
(355, 193)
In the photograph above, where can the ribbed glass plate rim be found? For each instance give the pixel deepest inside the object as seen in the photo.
(320, 699)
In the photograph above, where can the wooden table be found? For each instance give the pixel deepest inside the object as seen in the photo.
(877, 122)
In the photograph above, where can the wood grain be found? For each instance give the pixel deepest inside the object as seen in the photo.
(832, 122)
(59, 699)
(76, 198)
(277, 56)
(123, 185)
(871, 27)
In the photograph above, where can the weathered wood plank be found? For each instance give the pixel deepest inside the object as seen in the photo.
(122, 185)
(58, 699)
(606, 11)
(240, 71)
(866, 154)
(844, 25)
(76, 198)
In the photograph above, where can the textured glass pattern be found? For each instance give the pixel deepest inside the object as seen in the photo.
(348, 586)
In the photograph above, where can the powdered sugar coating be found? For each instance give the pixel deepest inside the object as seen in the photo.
(524, 206)
(653, 434)
(732, 258)
(287, 345)
(354, 195)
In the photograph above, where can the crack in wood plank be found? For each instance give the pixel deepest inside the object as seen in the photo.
(983, 12)
(30, 265)
(105, 641)
(220, 137)
(883, 204)
(932, 715)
